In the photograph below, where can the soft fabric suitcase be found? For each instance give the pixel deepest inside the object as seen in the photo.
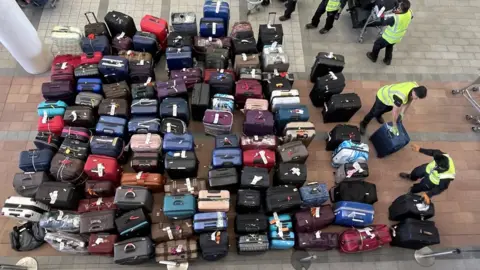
(217, 9)
(186, 186)
(152, 181)
(190, 76)
(314, 194)
(341, 108)
(144, 125)
(140, 90)
(248, 201)
(119, 90)
(325, 87)
(366, 239)
(172, 88)
(279, 98)
(99, 189)
(258, 123)
(47, 140)
(351, 171)
(227, 141)
(34, 160)
(173, 125)
(145, 42)
(222, 83)
(245, 61)
(93, 43)
(255, 178)
(146, 162)
(144, 107)
(410, 206)
(290, 174)
(353, 214)
(111, 126)
(175, 107)
(114, 68)
(244, 46)
(342, 133)
(96, 204)
(89, 99)
(210, 222)
(362, 192)
(26, 184)
(202, 45)
(269, 33)
(79, 116)
(269, 142)
(156, 26)
(349, 151)
(283, 199)
(200, 100)
(103, 168)
(415, 234)
(76, 133)
(74, 149)
(281, 241)
(181, 164)
(213, 201)
(98, 221)
(326, 62)
(212, 27)
(22, 208)
(386, 143)
(68, 169)
(54, 124)
(223, 102)
(114, 107)
(262, 158)
(141, 71)
(250, 223)
(66, 40)
(216, 59)
(91, 58)
(217, 122)
(283, 76)
(59, 195)
(85, 71)
(213, 249)
(179, 58)
(136, 56)
(223, 178)
(314, 219)
(150, 143)
(209, 72)
(172, 230)
(119, 23)
(184, 23)
(177, 251)
(89, 84)
(250, 74)
(101, 243)
(252, 244)
(178, 142)
(227, 157)
(175, 40)
(133, 197)
(59, 90)
(133, 251)
(242, 29)
(299, 131)
(246, 89)
(62, 72)
(293, 152)
(317, 240)
(286, 114)
(133, 223)
(179, 206)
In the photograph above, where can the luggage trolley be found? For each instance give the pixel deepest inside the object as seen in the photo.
(475, 87)
(37, 3)
(253, 5)
(372, 21)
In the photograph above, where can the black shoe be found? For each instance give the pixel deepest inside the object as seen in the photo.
(310, 26)
(380, 120)
(370, 56)
(387, 62)
(404, 175)
(284, 18)
(363, 128)
(323, 31)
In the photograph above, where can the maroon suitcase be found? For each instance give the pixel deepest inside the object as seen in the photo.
(101, 243)
(172, 88)
(247, 89)
(317, 240)
(314, 219)
(190, 76)
(62, 72)
(59, 90)
(97, 189)
(258, 123)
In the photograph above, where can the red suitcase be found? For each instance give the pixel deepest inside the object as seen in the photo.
(91, 58)
(156, 26)
(207, 73)
(74, 60)
(258, 142)
(365, 239)
(96, 204)
(101, 243)
(53, 125)
(261, 158)
(63, 71)
(103, 168)
(247, 89)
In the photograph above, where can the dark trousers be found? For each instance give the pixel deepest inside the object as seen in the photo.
(379, 44)
(425, 184)
(290, 5)
(322, 8)
(377, 110)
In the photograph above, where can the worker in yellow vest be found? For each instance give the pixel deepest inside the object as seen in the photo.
(397, 97)
(435, 176)
(397, 27)
(333, 9)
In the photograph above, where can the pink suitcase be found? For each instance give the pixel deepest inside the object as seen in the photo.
(217, 122)
(150, 143)
(256, 104)
(213, 201)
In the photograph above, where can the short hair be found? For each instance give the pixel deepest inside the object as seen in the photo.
(420, 91)
(442, 162)
(405, 5)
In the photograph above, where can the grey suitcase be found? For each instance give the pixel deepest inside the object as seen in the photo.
(299, 131)
(293, 152)
(252, 244)
(133, 251)
(274, 59)
(133, 197)
(352, 171)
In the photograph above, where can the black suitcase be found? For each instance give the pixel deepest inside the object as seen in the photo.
(248, 201)
(244, 45)
(342, 133)
(359, 17)
(119, 90)
(325, 87)
(217, 59)
(252, 244)
(74, 149)
(341, 107)
(173, 125)
(223, 178)
(114, 107)
(200, 100)
(59, 195)
(140, 90)
(410, 206)
(181, 164)
(290, 174)
(251, 223)
(354, 191)
(79, 116)
(96, 28)
(134, 223)
(415, 234)
(269, 33)
(119, 22)
(133, 251)
(324, 63)
(26, 184)
(141, 71)
(222, 83)
(216, 248)
(176, 40)
(255, 178)
(275, 83)
(282, 199)
(47, 140)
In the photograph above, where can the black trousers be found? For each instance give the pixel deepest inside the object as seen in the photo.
(290, 5)
(379, 44)
(377, 110)
(321, 9)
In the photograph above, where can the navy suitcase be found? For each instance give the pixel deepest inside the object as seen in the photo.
(97, 44)
(107, 146)
(314, 194)
(35, 160)
(227, 157)
(217, 9)
(145, 42)
(178, 142)
(353, 214)
(144, 125)
(386, 143)
(111, 126)
(144, 107)
(212, 27)
(227, 141)
(179, 58)
(290, 113)
(89, 84)
(114, 68)
(175, 107)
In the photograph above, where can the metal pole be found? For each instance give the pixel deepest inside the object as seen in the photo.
(13, 267)
(455, 251)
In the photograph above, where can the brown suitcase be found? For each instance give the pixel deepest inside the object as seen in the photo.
(99, 221)
(157, 215)
(246, 61)
(213, 201)
(177, 251)
(187, 186)
(96, 204)
(135, 56)
(152, 181)
(172, 230)
(101, 243)
(314, 219)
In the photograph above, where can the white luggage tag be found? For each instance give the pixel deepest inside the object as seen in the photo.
(219, 220)
(139, 175)
(148, 138)
(217, 8)
(367, 231)
(64, 65)
(148, 81)
(45, 117)
(99, 170)
(255, 179)
(60, 215)
(174, 110)
(253, 73)
(53, 196)
(295, 171)
(356, 168)
(169, 127)
(189, 185)
(113, 107)
(99, 241)
(214, 28)
(169, 232)
(332, 76)
(215, 120)
(278, 223)
(183, 154)
(244, 57)
(179, 249)
(422, 207)
(99, 201)
(318, 234)
(263, 156)
(330, 55)
(121, 36)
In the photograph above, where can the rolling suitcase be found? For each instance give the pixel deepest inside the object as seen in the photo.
(244, 46)
(251, 223)
(133, 197)
(145, 42)
(290, 113)
(274, 59)
(227, 157)
(91, 58)
(35, 160)
(172, 230)
(177, 251)
(62, 72)
(103, 168)
(314, 194)
(141, 72)
(250, 61)
(210, 222)
(362, 192)
(386, 143)
(255, 178)
(217, 122)
(96, 28)
(57, 220)
(178, 142)
(59, 195)
(175, 107)
(279, 98)
(172, 88)
(200, 100)
(248, 201)
(67, 40)
(76, 133)
(59, 90)
(250, 74)
(74, 149)
(324, 63)
(246, 89)
(252, 244)
(140, 90)
(256, 104)
(119, 90)
(98, 221)
(85, 71)
(217, 9)
(351, 171)
(190, 76)
(202, 45)
(172, 125)
(92, 44)
(292, 152)
(88, 99)
(119, 23)
(222, 83)
(152, 181)
(317, 240)
(133, 251)
(415, 234)
(227, 141)
(299, 131)
(67, 242)
(223, 102)
(179, 58)
(144, 107)
(47, 140)
(101, 243)
(156, 26)
(186, 186)
(410, 206)
(262, 158)
(99, 189)
(259, 142)
(284, 240)
(212, 27)
(217, 59)
(282, 199)
(144, 125)
(269, 33)
(216, 249)
(133, 223)
(26, 184)
(242, 29)
(325, 87)
(290, 174)
(213, 201)
(366, 239)
(341, 108)
(276, 83)
(314, 219)
(146, 162)
(353, 214)
(79, 116)
(349, 151)
(96, 204)
(114, 68)
(223, 178)
(179, 206)
(184, 23)
(342, 133)
(68, 169)
(22, 208)
(176, 40)
(54, 124)
(114, 107)
(259, 123)
(181, 164)
(89, 84)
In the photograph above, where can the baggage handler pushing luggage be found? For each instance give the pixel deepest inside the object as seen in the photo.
(333, 9)
(397, 97)
(435, 176)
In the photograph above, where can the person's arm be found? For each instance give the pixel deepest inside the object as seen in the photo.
(397, 106)
(442, 186)
(390, 21)
(430, 152)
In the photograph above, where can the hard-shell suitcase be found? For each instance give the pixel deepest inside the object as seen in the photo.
(101, 243)
(79, 116)
(210, 222)
(281, 241)
(340, 133)
(325, 87)
(173, 125)
(326, 62)
(156, 26)
(216, 59)
(283, 199)
(74, 149)
(146, 162)
(152, 181)
(111, 126)
(287, 114)
(244, 46)
(227, 157)
(150, 143)
(317, 240)
(223, 102)
(280, 223)
(248, 201)
(145, 42)
(262, 158)
(119, 90)
(212, 27)
(252, 244)
(255, 178)
(290, 174)
(88, 99)
(190, 76)
(217, 122)
(366, 239)
(223, 178)
(87, 71)
(144, 107)
(251, 223)
(107, 146)
(144, 125)
(114, 68)
(176, 40)
(353, 214)
(213, 249)
(177, 251)
(172, 230)
(181, 164)
(47, 140)
(179, 206)
(184, 23)
(119, 23)
(26, 184)
(242, 29)
(23, 208)
(62, 72)
(66, 40)
(362, 192)
(314, 194)
(200, 100)
(91, 58)
(95, 27)
(59, 90)
(54, 124)
(256, 104)
(89, 84)
(349, 151)
(98, 221)
(133, 223)
(99, 189)
(59, 195)
(269, 33)
(279, 98)
(179, 58)
(68, 169)
(96, 204)
(314, 219)
(92, 44)
(178, 142)
(35, 160)
(186, 186)
(175, 107)
(386, 143)
(133, 197)
(172, 88)
(299, 131)
(103, 168)
(250, 74)
(114, 107)
(246, 89)
(415, 234)
(293, 152)
(258, 123)
(259, 142)
(67, 242)
(133, 251)
(351, 171)
(410, 206)
(227, 141)
(222, 83)
(217, 9)
(341, 107)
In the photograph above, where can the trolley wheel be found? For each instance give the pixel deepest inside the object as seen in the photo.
(360, 40)
(468, 117)
(476, 129)
(475, 89)
(455, 92)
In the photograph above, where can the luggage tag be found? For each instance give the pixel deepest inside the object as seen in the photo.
(295, 171)
(263, 156)
(120, 37)
(318, 234)
(215, 120)
(244, 57)
(53, 196)
(189, 185)
(315, 211)
(169, 232)
(217, 8)
(219, 220)
(60, 215)
(215, 236)
(174, 110)
(64, 65)
(45, 117)
(332, 76)
(149, 80)
(367, 231)
(113, 107)
(148, 138)
(214, 28)
(253, 73)
(99, 170)
(356, 168)
(256, 179)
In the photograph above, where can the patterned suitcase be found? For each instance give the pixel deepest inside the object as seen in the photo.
(314, 194)
(252, 244)
(353, 214)
(223, 102)
(177, 251)
(66, 40)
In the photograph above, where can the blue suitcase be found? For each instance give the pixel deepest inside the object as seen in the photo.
(291, 113)
(285, 242)
(227, 157)
(217, 9)
(227, 141)
(179, 206)
(285, 219)
(353, 214)
(175, 107)
(145, 42)
(212, 27)
(144, 125)
(179, 58)
(386, 143)
(107, 146)
(114, 68)
(89, 84)
(97, 44)
(210, 222)
(178, 142)
(144, 107)
(111, 126)
(314, 194)
(51, 108)
(35, 160)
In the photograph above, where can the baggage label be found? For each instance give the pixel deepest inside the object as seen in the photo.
(121, 36)
(45, 117)
(318, 234)
(148, 138)
(255, 179)
(53, 196)
(169, 127)
(112, 109)
(189, 185)
(169, 232)
(60, 215)
(174, 112)
(214, 28)
(215, 120)
(264, 157)
(217, 8)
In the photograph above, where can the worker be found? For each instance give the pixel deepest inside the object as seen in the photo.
(398, 23)
(290, 8)
(333, 9)
(397, 97)
(435, 176)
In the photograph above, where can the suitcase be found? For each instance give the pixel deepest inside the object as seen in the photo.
(178, 142)
(279, 98)
(202, 45)
(217, 122)
(99, 189)
(324, 63)
(156, 26)
(275, 59)
(410, 206)
(209, 72)
(366, 239)
(217, 9)
(281, 241)
(210, 222)
(47, 140)
(59, 90)
(244, 46)
(22, 208)
(248, 201)
(184, 23)
(175, 40)
(67, 242)
(173, 125)
(34, 160)
(76, 133)
(66, 40)
(149, 143)
(68, 169)
(293, 152)
(54, 124)
(360, 15)
(325, 87)
(256, 104)
(246, 89)
(341, 108)
(89, 84)
(119, 23)
(59, 195)
(267, 76)
(187, 186)
(146, 162)
(276, 83)
(181, 164)
(200, 100)
(342, 133)
(314, 219)
(212, 27)
(119, 90)
(144, 107)
(62, 72)
(299, 131)
(114, 68)
(111, 126)
(242, 29)
(269, 33)
(133, 197)
(213, 249)
(141, 71)
(386, 143)
(223, 102)
(222, 83)
(91, 59)
(79, 116)
(190, 76)
(287, 114)
(175, 107)
(95, 27)
(101, 243)
(250, 74)
(262, 158)
(314, 194)
(172, 230)
(172, 88)
(134, 223)
(216, 59)
(260, 123)
(93, 43)
(89, 99)
(415, 234)
(57, 220)
(227, 157)
(145, 42)
(103, 168)
(74, 60)
(179, 206)
(223, 178)
(144, 125)
(26, 184)
(177, 251)
(255, 178)
(252, 244)
(152, 181)
(141, 91)
(96, 204)
(351, 171)
(157, 215)
(251, 61)
(348, 152)
(133, 251)
(74, 149)
(290, 174)
(98, 221)
(362, 192)
(318, 240)
(250, 223)
(227, 141)
(87, 71)
(353, 214)
(114, 107)
(179, 58)
(282, 199)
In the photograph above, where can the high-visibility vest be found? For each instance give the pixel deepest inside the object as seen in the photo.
(435, 176)
(394, 34)
(333, 5)
(402, 90)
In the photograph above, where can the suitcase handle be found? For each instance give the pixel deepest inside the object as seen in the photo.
(269, 22)
(130, 194)
(178, 202)
(93, 15)
(130, 247)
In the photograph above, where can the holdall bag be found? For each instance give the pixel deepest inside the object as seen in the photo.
(172, 230)
(144, 107)
(118, 90)
(28, 209)
(26, 184)
(74, 149)
(251, 223)
(293, 152)
(133, 251)
(353, 214)
(244, 60)
(227, 157)
(119, 23)
(317, 240)
(26, 237)
(146, 162)
(179, 206)
(342, 133)
(210, 222)
(209, 72)
(223, 178)
(386, 143)
(213, 249)
(121, 42)
(175, 107)
(324, 63)
(203, 45)
(181, 164)
(68, 169)
(282, 199)
(212, 27)
(148, 143)
(242, 29)
(352, 171)
(227, 141)
(290, 113)
(281, 241)
(67, 242)
(96, 204)
(223, 102)
(184, 23)
(222, 83)
(314, 219)
(54, 124)
(179, 58)
(279, 98)
(178, 142)
(255, 178)
(156, 26)
(141, 71)
(414, 234)
(91, 58)
(176, 40)
(86, 71)
(314, 194)
(62, 72)
(214, 9)
(140, 91)
(341, 107)
(114, 68)
(244, 45)
(101, 243)
(76, 133)
(290, 174)
(262, 158)
(99, 189)
(133, 223)
(176, 251)
(349, 151)
(172, 88)
(248, 201)
(276, 83)
(186, 186)
(250, 74)
(114, 107)
(145, 42)
(267, 142)
(325, 87)
(111, 126)
(366, 239)
(66, 40)
(217, 59)
(410, 206)
(152, 181)
(190, 76)
(144, 125)
(95, 27)
(258, 123)
(299, 131)
(213, 201)
(79, 116)
(246, 89)
(59, 195)
(133, 197)
(269, 33)
(200, 100)
(252, 244)
(362, 192)
(98, 221)
(35, 160)
(94, 43)
(217, 122)
(47, 140)
(88, 99)
(103, 168)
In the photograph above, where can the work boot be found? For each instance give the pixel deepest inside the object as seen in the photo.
(387, 62)
(310, 26)
(404, 175)
(380, 120)
(284, 18)
(370, 56)
(363, 128)
(323, 31)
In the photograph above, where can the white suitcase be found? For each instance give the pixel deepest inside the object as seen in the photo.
(24, 208)
(284, 97)
(274, 59)
(67, 40)
(349, 151)
(299, 131)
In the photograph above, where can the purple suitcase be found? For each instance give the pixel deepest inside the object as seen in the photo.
(172, 88)
(217, 122)
(258, 123)
(190, 76)
(317, 240)
(321, 218)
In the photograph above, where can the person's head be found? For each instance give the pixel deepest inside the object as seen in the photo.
(419, 92)
(441, 162)
(403, 6)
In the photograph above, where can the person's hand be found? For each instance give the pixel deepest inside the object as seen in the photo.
(415, 147)
(400, 117)
(425, 198)
(394, 130)
(337, 16)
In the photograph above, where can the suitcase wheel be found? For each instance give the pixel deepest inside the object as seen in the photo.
(476, 129)
(360, 40)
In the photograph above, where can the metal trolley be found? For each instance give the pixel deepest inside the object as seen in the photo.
(253, 5)
(372, 21)
(24, 3)
(474, 87)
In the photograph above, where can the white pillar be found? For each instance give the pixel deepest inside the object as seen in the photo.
(21, 39)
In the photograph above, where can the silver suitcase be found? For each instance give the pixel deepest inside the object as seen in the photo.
(299, 131)
(67, 40)
(24, 208)
(274, 59)
(284, 97)
(352, 171)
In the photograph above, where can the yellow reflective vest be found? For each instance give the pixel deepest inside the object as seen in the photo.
(435, 176)
(402, 90)
(394, 34)
(333, 5)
